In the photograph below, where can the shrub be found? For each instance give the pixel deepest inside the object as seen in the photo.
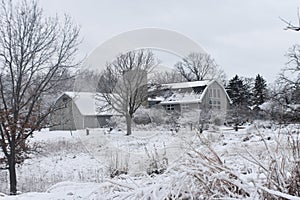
(156, 164)
(280, 165)
(116, 122)
(118, 164)
(158, 116)
(142, 117)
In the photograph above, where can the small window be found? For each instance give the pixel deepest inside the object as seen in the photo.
(65, 99)
(170, 107)
(219, 93)
(214, 95)
(184, 107)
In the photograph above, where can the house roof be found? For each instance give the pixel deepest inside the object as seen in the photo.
(88, 103)
(178, 98)
(192, 97)
(187, 84)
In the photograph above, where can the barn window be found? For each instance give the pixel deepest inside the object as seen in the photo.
(65, 99)
(184, 107)
(219, 105)
(218, 93)
(215, 104)
(170, 107)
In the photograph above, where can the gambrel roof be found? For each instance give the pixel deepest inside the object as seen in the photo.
(88, 103)
(179, 97)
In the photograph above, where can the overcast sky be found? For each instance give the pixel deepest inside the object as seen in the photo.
(244, 37)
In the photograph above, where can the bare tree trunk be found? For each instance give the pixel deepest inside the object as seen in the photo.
(12, 170)
(128, 124)
(12, 177)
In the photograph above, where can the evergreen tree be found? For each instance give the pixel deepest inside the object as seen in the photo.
(248, 88)
(240, 95)
(259, 91)
(238, 92)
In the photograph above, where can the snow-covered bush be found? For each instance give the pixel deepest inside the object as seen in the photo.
(116, 122)
(294, 144)
(217, 118)
(280, 111)
(158, 116)
(118, 163)
(156, 164)
(190, 117)
(141, 116)
(279, 165)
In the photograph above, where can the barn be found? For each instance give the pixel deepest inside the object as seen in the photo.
(79, 110)
(186, 96)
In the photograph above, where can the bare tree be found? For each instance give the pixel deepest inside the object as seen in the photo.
(291, 73)
(86, 80)
(35, 55)
(124, 83)
(287, 94)
(290, 25)
(199, 66)
(166, 77)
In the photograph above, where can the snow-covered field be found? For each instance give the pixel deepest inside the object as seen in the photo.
(103, 165)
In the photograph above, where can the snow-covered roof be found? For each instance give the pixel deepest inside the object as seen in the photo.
(88, 103)
(156, 98)
(179, 98)
(182, 85)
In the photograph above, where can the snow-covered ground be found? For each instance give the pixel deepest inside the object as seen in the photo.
(78, 165)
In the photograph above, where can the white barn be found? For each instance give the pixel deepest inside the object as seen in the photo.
(79, 110)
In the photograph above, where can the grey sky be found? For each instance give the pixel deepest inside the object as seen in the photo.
(244, 37)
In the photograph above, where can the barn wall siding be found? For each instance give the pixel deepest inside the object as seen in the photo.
(78, 117)
(62, 119)
(223, 97)
(91, 122)
(70, 118)
(102, 120)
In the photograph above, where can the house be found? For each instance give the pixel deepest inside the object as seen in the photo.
(185, 96)
(79, 110)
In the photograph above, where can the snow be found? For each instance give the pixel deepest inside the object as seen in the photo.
(63, 190)
(266, 105)
(280, 194)
(191, 84)
(73, 165)
(157, 98)
(179, 98)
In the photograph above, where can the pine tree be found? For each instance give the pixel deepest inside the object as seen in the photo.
(238, 91)
(240, 96)
(259, 91)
